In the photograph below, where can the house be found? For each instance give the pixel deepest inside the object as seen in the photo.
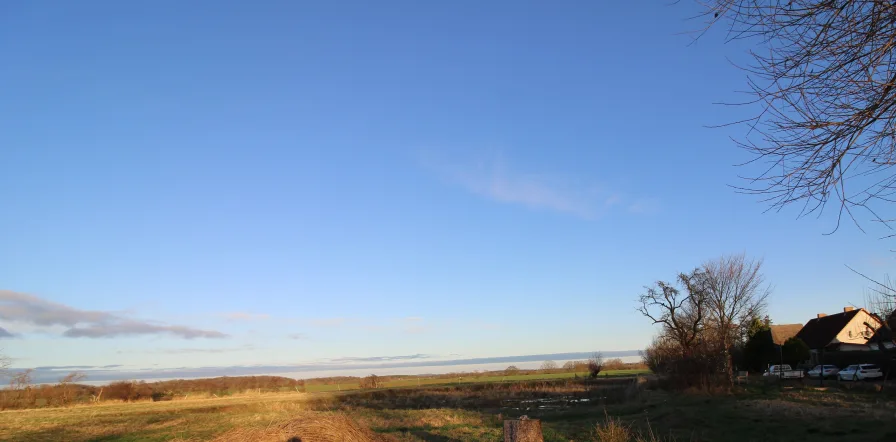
(850, 330)
(781, 333)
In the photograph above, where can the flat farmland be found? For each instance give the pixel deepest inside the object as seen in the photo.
(570, 410)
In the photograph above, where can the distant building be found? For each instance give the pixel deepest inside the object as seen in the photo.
(781, 333)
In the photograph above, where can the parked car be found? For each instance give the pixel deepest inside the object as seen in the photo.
(784, 372)
(860, 372)
(829, 371)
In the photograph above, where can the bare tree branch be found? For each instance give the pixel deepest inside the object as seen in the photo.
(736, 293)
(680, 315)
(826, 83)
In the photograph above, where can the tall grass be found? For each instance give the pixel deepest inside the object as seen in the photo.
(614, 430)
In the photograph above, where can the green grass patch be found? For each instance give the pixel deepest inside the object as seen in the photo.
(422, 382)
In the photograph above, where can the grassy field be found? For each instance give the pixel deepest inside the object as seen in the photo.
(418, 381)
(475, 412)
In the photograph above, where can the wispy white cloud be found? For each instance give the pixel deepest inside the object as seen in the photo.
(76, 367)
(297, 336)
(497, 180)
(350, 360)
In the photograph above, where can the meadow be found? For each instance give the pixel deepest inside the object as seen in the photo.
(417, 381)
(570, 409)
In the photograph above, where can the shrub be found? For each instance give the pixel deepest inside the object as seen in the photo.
(613, 430)
(372, 381)
(614, 364)
(595, 364)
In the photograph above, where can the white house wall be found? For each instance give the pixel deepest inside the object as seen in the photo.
(857, 331)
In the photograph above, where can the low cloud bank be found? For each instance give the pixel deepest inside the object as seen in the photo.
(411, 364)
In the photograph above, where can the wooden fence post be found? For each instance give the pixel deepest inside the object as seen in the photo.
(522, 430)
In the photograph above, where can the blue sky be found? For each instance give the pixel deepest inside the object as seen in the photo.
(226, 183)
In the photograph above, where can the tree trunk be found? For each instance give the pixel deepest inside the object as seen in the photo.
(522, 430)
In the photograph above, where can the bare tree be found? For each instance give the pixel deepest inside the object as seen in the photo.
(66, 384)
(511, 370)
(680, 314)
(548, 365)
(20, 385)
(880, 298)
(569, 366)
(5, 363)
(825, 81)
(595, 364)
(736, 293)
(21, 380)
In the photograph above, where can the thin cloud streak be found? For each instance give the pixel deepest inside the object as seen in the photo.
(495, 180)
(350, 360)
(131, 328)
(77, 367)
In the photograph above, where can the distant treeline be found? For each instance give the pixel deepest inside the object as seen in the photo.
(21, 393)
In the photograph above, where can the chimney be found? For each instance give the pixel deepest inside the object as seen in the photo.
(821, 315)
(848, 309)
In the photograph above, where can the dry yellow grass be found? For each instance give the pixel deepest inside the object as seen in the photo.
(469, 413)
(265, 417)
(312, 427)
(190, 419)
(614, 430)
